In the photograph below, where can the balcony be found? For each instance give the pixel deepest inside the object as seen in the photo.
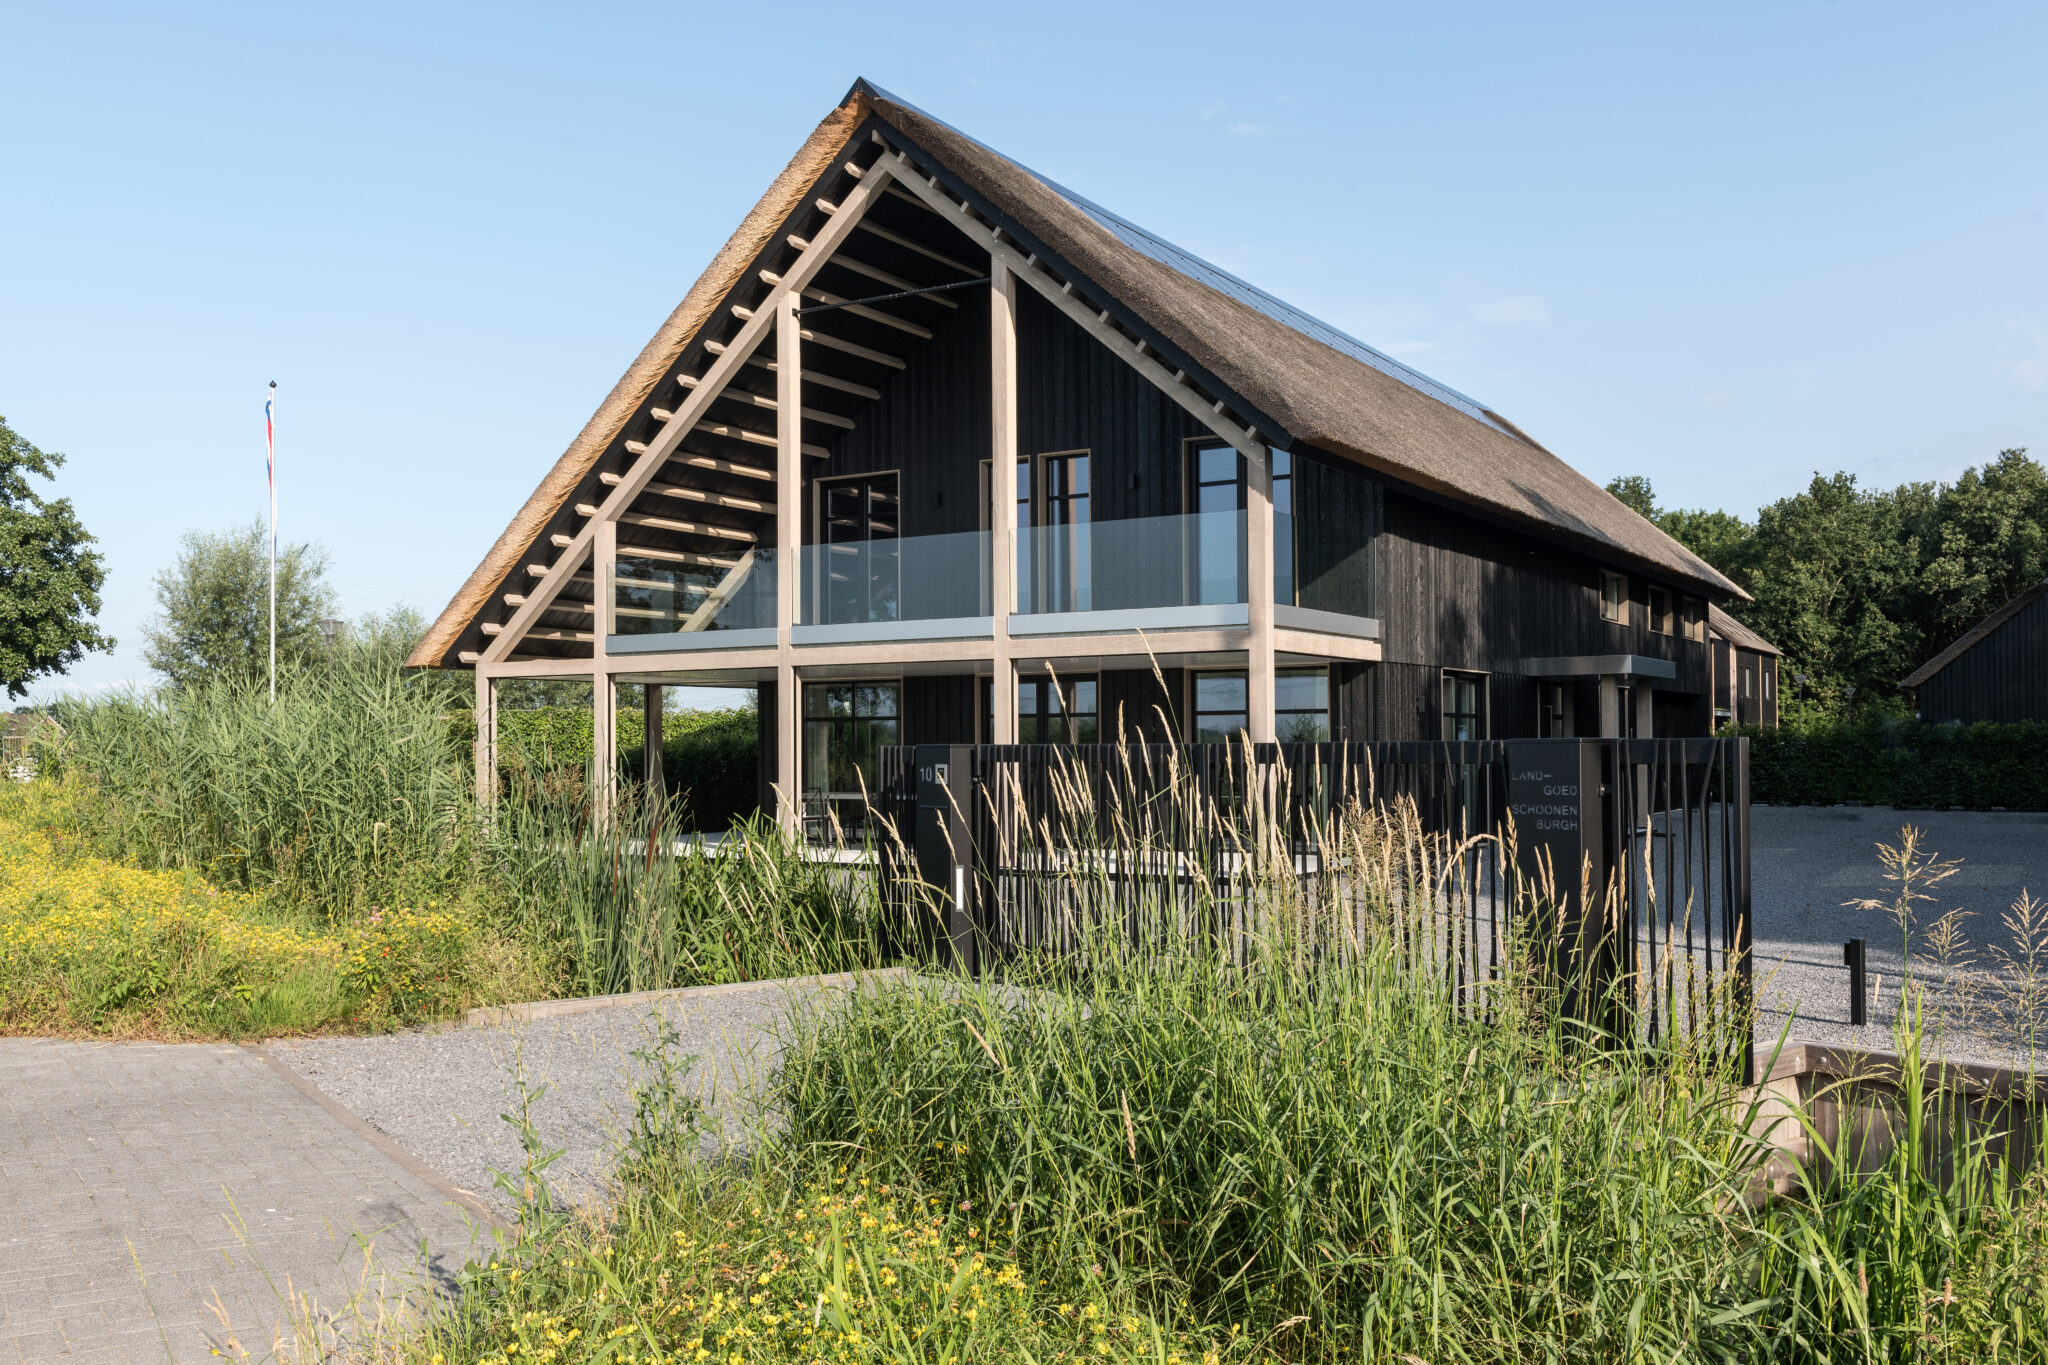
(692, 602)
(914, 588)
(1151, 573)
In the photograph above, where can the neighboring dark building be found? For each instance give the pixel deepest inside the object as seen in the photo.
(1997, 671)
(1745, 672)
(937, 451)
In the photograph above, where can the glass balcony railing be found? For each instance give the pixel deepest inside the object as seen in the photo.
(702, 592)
(916, 578)
(1143, 562)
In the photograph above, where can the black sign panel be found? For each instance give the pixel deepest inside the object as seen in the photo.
(1554, 796)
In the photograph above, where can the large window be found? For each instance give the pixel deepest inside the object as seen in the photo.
(859, 530)
(1219, 709)
(844, 724)
(1464, 706)
(1301, 705)
(1283, 528)
(1058, 711)
(1216, 548)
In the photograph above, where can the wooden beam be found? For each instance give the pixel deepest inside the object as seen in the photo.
(1002, 379)
(820, 338)
(717, 466)
(845, 217)
(1097, 323)
(760, 400)
(573, 636)
(670, 490)
(685, 528)
(912, 244)
(830, 381)
(909, 199)
(732, 433)
(720, 594)
(844, 305)
(875, 273)
(1260, 720)
(789, 702)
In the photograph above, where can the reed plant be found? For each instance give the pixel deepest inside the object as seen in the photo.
(347, 791)
(632, 903)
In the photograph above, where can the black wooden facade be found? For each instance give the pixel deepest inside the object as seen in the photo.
(1996, 672)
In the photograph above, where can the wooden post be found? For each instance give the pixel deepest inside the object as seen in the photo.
(1002, 492)
(650, 712)
(1610, 707)
(486, 739)
(1643, 692)
(604, 693)
(604, 743)
(789, 540)
(1258, 549)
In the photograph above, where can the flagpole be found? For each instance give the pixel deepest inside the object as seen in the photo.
(270, 467)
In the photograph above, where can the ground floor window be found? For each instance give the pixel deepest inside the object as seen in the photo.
(1219, 709)
(1464, 706)
(1301, 705)
(844, 725)
(1553, 710)
(1058, 711)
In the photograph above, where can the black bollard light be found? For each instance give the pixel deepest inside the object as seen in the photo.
(1854, 953)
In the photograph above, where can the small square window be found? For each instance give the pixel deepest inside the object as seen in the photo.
(1614, 597)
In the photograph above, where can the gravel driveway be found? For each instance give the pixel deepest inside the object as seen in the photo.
(1808, 860)
(441, 1093)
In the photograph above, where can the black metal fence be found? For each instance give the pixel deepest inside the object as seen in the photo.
(1622, 864)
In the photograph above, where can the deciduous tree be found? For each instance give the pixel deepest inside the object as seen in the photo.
(50, 575)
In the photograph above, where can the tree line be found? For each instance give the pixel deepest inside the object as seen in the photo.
(1860, 586)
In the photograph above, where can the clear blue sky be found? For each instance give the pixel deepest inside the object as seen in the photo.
(1721, 245)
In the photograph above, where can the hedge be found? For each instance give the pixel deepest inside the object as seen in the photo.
(1901, 763)
(707, 757)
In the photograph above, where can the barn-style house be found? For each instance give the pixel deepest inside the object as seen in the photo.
(937, 451)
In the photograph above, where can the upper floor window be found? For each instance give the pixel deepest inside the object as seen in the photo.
(1215, 501)
(1614, 597)
(1663, 619)
(1693, 618)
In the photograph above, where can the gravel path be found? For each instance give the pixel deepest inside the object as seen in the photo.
(1807, 861)
(440, 1093)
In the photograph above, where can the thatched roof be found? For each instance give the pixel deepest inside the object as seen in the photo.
(1735, 633)
(1301, 380)
(1974, 636)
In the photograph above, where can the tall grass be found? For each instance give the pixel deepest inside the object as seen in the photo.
(348, 790)
(633, 904)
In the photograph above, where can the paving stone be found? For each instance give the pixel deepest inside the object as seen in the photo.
(146, 1183)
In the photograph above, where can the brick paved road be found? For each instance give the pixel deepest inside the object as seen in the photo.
(142, 1184)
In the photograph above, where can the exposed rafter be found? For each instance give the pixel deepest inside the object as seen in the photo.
(1176, 384)
(810, 376)
(670, 490)
(751, 333)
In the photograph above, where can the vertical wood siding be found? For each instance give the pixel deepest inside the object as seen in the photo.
(2003, 677)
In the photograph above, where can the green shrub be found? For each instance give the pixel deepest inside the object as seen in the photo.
(1903, 763)
(708, 758)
